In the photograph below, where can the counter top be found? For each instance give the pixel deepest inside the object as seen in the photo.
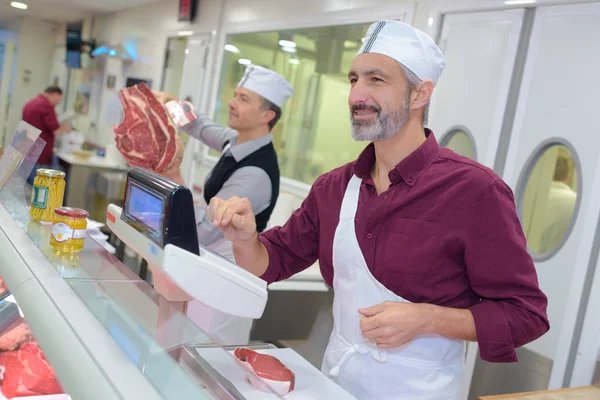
(94, 161)
(578, 393)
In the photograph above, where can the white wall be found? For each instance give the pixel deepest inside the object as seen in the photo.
(37, 40)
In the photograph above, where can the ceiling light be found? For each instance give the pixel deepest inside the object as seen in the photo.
(513, 2)
(287, 43)
(294, 61)
(288, 49)
(187, 51)
(232, 48)
(112, 52)
(20, 6)
(244, 61)
(430, 21)
(185, 33)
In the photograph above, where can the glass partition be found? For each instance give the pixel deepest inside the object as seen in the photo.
(313, 135)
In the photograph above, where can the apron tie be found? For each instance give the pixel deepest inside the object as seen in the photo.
(360, 349)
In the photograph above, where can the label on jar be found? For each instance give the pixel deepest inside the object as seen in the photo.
(39, 199)
(79, 233)
(62, 232)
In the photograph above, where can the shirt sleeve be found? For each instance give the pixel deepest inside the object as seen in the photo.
(252, 183)
(50, 121)
(512, 309)
(295, 246)
(211, 134)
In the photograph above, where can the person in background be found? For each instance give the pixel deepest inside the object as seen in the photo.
(39, 112)
(248, 168)
(560, 206)
(423, 247)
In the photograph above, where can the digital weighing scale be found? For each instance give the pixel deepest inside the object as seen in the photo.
(158, 222)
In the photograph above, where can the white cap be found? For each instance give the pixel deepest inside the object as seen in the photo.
(267, 83)
(407, 45)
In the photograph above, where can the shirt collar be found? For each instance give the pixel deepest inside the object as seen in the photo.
(241, 151)
(408, 169)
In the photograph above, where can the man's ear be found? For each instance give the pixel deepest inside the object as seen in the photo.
(422, 95)
(268, 116)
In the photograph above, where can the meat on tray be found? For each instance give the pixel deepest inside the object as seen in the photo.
(18, 333)
(26, 372)
(272, 373)
(146, 137)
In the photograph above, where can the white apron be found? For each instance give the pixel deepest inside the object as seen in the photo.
(428, 368)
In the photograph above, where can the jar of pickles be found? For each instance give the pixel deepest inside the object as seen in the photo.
(68, 229)
(48, 194)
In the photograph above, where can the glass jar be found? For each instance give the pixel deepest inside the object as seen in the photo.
(48, 194)
(68, 229)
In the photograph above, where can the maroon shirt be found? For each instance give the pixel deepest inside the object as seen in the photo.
(446, 232)
(39, 112)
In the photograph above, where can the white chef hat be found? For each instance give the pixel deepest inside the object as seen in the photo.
(407, 45)
(267, 83)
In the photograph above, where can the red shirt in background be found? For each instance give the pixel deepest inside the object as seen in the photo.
(39, 113)
(446, 232)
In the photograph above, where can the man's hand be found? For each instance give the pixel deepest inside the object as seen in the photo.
(235, 218)
(392, 324)
(163, 97)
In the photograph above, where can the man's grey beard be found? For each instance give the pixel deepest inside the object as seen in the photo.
(384, 127)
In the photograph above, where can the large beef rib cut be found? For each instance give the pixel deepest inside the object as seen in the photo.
(146, 137)
(26, 372)
(272, 374)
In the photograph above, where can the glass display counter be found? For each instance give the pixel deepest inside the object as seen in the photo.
(107, 333)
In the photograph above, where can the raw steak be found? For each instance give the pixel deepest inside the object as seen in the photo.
(26, 372)
(15, 335)
(146, 137)
(272, 373)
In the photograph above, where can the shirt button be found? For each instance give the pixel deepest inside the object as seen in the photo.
(369, 236)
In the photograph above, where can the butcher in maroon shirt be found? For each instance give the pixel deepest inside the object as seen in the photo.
(39, 112)
(423, 247)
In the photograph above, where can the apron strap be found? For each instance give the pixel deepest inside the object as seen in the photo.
(350, 202)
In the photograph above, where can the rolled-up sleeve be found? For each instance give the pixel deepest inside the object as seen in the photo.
(512, 309)
(294, 246)
(209, 133)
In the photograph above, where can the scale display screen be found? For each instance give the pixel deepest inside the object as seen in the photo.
(160, 209)
(147, 209)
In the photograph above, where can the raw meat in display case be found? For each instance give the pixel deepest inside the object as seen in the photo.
(24, 370)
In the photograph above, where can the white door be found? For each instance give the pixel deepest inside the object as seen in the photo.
(470, 99)
(553, 158)
(6, 74)
(191, 89)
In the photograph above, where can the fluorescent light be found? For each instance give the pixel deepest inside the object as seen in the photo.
(294, 61)
(232, 48)
(287, 43)
(289, 49)
(187, 51)
(20, 6)
(244, 61)
(185, 33)
(430, 21)
(513, 2)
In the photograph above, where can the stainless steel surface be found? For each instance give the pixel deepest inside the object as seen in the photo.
(218, 386)
(596, 380)
(111, 184)
(531, 373)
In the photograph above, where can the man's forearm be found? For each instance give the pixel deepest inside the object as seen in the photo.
(252, 256)
(452, 323)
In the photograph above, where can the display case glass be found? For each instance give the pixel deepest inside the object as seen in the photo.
(154, 336)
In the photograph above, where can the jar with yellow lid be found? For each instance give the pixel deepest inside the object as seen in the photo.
(68, 229)
(48, 194)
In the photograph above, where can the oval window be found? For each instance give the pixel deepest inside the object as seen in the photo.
(461, 142)
(549, 197)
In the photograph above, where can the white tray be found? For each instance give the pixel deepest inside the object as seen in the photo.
(310, 382)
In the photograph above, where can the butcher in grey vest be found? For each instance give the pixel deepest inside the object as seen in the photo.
(248, 168)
